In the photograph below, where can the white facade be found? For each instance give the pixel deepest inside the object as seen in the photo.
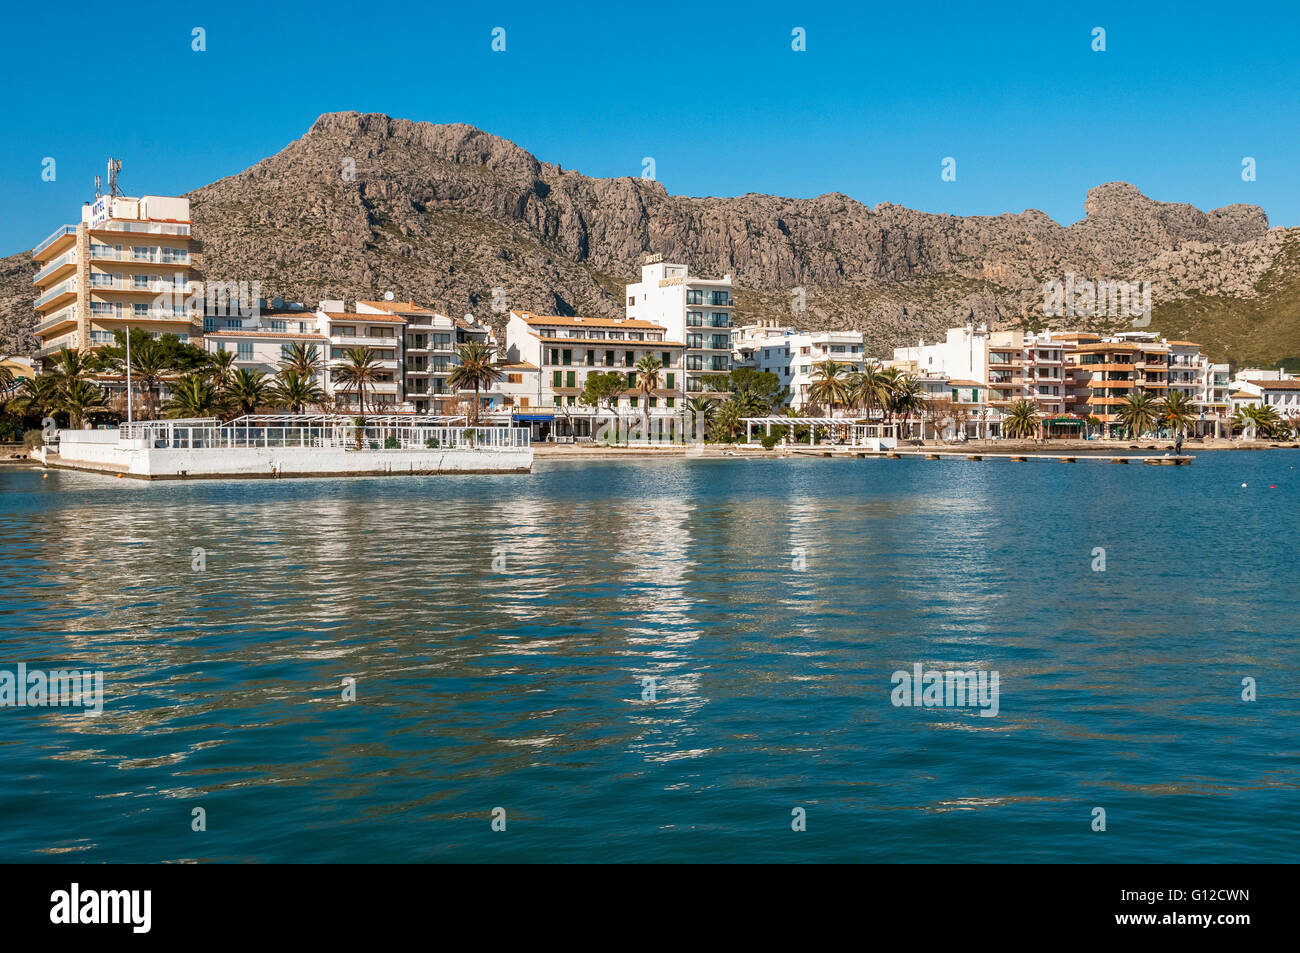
(793, 356)
(695, 311)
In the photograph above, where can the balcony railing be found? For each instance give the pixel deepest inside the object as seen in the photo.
(58, 233)
(67, 258)
(67, 314)
(143, 228)
(62, 288)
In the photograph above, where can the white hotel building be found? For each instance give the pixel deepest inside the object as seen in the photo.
(694, 311)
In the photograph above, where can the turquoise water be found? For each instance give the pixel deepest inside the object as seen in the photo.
(499, 630)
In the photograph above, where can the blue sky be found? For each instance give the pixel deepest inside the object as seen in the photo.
(715, 94)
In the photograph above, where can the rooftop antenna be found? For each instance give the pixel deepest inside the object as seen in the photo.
(99, 190)
(114, 167)
(388, 296)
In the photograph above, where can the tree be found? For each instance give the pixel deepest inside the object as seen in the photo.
(193, 396)
(905, 398)
(1022, 419)
(220, 367)
(647, 382)
(830, 386)
(247, 390)
(79, 398)
(7, 381)
(869, 389)
(1176, 411)
(764, 387)
(726, 421)
(476, 368)
(359, 370)
(602, 390)
(302, 358)
(36, 397)
(1139, 413)
(295, 390)
(701, 411)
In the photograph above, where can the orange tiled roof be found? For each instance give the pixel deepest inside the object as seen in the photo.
(577, 322)
(405, 307)
(381, 318)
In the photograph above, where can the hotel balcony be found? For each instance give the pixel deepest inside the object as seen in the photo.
(104, 253)
(141, 228)
(66, 260)
(68, 287)
(54, 320)
(63, 231)
(151, 287)
(350, 340)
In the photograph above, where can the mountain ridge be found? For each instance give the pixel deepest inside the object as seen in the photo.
(446, 213)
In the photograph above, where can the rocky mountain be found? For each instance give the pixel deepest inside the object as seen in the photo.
(445, 214)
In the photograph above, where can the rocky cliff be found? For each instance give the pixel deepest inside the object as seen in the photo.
(364, 204)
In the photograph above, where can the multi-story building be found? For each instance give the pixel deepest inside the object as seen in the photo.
(563, 351)
(262, 341)
(429, 353)
(793, 357)
(383, 334)
(129, 263)
(1111, 369)
(696, 311)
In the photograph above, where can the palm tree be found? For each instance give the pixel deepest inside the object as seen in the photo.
(36, 397)
(295, 390)
(1022, 419)
(1139, 413)
(149, 363)
(869, 389)
(193, 396)
(7, 381)
(701, 411)
(1176, 411)
(72, 365)
(726, 420)
(830, 385)
(221, 367)
(303, 358)
(247, 390)
(360, 370)
(906, 396)
(647, 382)
(476, 368)
(78, 398)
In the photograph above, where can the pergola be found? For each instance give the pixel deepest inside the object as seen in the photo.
(327, 420)
(853, 427)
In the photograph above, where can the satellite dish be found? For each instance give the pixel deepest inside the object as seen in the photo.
(388, 296)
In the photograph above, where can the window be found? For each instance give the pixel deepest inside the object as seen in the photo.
(570, 379)
(671, 402)
(285, 351)
(629, 358)
(571, 400)
(653, 401)
(568, 356)
(694, 297)
(591, 358)
(631, 401)
(609, 358)
(244, 351)
(670, 381)
(514, 378)
(141, 310)
(631, 379)
(667, 359)
(277, 326)
(631, 300)
(694, 319)
(557, 378)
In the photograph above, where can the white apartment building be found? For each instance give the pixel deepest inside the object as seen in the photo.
(563, 351)
(793, 357)
(695, 311)
(381, 332)
(429, 352)
(261, 341)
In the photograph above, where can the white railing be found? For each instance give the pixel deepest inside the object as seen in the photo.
(58, 233)
(59, 289)
(146, 228)
(321, 433)
(67, 258)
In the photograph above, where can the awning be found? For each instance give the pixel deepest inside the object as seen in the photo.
(534, 418)
(1066, 422)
